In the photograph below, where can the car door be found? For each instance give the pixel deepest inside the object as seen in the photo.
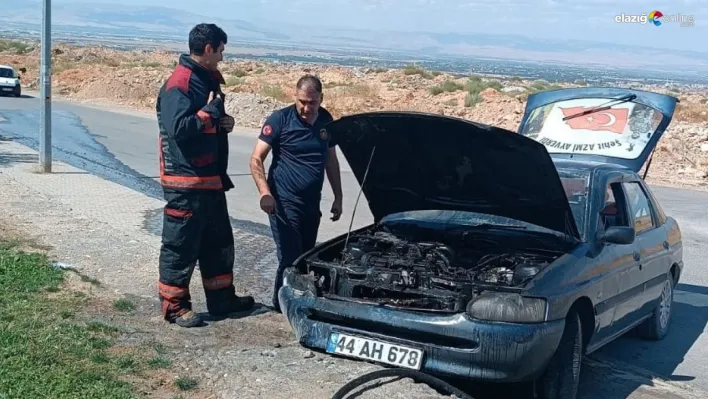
(620, 261)
(653, 246)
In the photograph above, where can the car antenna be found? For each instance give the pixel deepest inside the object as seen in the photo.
(361, 189)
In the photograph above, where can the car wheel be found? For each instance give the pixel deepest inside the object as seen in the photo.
(18, 92)
(657, 326)
(562, 377)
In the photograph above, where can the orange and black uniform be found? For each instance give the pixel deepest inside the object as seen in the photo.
(193, 161)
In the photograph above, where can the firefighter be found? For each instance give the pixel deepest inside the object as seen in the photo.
(302, 152)
(193, 145)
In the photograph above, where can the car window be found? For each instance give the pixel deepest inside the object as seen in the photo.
(613, 212)
(576, 184)
(640, 207)
(6, 73)
(657, 208)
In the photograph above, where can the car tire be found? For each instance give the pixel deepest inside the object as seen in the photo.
(657, 326)
(562, 376)
(18, 92)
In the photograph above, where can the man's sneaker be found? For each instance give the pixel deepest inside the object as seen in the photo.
(189, 319)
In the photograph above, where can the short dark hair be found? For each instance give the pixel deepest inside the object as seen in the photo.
(310, 82)
(203, 34)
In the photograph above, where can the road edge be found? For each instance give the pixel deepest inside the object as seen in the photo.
(628, 372)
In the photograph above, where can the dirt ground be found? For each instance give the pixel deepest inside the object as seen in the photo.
(255, 89)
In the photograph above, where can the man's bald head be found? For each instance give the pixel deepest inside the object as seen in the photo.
(309, 83)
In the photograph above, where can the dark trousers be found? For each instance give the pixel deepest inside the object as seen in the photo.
(294, 232)
(196, 228)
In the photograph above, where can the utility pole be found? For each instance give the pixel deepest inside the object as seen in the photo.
(45, 113)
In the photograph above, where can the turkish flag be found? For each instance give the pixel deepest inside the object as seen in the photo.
(610, 120)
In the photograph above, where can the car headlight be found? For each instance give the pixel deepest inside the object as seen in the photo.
(300, 285)
(507, 307)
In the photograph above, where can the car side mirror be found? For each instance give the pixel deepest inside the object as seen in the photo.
(618, 235)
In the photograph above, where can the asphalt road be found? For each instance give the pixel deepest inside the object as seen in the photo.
(123, 147)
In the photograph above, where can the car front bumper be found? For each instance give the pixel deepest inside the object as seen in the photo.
(9, 89)
(453, 345)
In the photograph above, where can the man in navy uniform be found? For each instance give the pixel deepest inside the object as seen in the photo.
(193, 160)
(302, 153)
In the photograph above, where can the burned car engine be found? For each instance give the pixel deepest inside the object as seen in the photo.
(392, 269)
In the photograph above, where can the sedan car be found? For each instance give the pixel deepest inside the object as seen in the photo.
(494, 255)
(9, 81)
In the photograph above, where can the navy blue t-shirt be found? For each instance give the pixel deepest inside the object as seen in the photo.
(297, 170)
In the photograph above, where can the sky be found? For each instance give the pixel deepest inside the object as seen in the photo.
(572, 19)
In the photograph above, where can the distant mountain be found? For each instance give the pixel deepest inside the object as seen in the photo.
(96, 18)
(516, 47)
(136, 23)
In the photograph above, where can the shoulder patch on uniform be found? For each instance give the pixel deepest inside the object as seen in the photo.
(323, 134)
(267, 130)
(179, 79)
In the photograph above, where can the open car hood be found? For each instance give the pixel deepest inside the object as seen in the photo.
(432, 162)
(625, 134)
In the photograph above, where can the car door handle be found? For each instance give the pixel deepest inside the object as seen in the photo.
(636, 256)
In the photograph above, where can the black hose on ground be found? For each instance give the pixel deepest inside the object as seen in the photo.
(434, 382)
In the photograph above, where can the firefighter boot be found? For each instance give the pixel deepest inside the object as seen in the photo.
(184, 317)
(189, 319)
(176, 306)
(223, 302)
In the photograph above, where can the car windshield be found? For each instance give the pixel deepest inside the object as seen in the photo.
(575, 183)
(618, 129)
(6, 73)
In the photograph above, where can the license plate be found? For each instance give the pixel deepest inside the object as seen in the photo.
(7, 89)
(377, 351)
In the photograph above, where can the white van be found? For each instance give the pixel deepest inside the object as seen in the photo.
(9, 81)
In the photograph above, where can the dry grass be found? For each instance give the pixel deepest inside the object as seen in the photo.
(416, 70)
(449, 86)
(359, 90)
(15, 47)
(693, 113)
(276, 92)
(234, 81)
(472, 99)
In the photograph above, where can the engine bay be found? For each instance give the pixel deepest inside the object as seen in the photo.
(408, 269)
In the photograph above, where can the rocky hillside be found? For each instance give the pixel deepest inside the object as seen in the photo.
(256, 88)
